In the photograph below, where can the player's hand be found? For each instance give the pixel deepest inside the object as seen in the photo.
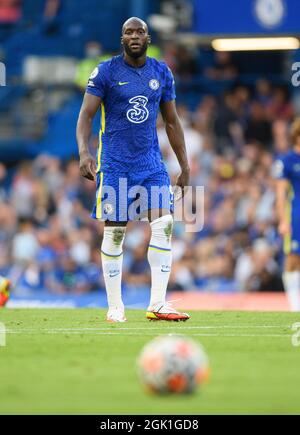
(87, 167)
(284, 228)
(182, 182)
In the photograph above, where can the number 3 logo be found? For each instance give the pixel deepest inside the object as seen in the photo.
(139, 113)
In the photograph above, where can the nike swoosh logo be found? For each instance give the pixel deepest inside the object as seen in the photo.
(123, 83)
(112, 275)
(166, 270)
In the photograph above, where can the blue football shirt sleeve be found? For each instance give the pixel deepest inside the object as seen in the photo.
(281, 170)
(169, 92)
(98, 81)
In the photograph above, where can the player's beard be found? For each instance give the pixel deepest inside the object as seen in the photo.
(136, 54)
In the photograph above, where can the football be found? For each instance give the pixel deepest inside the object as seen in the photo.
(173, 364)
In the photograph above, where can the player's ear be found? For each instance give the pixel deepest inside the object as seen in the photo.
(149, 39)
(122, 41)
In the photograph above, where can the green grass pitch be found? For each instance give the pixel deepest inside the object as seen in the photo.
(73, 362)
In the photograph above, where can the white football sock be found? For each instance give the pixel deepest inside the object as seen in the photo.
(160, 258)
(292, 286)
(112, 261)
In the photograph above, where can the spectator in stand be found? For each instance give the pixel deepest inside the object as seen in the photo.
(10, 11)
(280, 131)
(51, 19)
(170, 56)
(226, 117)
(154, 51)
(263, 92)
(138, 273)
(22, 196)
(10, 14)
(186, 66)
(279, 106)
(51, 9)
(203, 116)
(258, 126)
(242, 97)
(223, 67)
(93, 56)
(265, 273)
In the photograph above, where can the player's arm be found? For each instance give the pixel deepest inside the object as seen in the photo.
(88, 110)
(282, 188)
(176, 137)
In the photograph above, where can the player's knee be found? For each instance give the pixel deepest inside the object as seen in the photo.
(113, 239)
(162, 230)
(292, 263)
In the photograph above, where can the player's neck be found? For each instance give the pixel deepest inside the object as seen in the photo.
(297, 149)
(136, 63)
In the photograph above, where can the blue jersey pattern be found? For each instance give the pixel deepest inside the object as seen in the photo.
(130, 105)
(288, 168)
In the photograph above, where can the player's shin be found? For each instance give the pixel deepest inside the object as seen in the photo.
(112, 261)
(160, 258)
(292, 287)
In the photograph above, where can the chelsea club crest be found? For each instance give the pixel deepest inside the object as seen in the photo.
(270, 13)
(154, 84)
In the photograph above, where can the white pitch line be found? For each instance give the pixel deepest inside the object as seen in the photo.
(151, 335)
(243, 335)
(154, 328)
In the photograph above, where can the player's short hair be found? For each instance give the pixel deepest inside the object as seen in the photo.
(136, 19)
(295, 131)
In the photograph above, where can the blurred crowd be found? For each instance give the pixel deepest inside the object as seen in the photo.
(49, 241)
(232, 142)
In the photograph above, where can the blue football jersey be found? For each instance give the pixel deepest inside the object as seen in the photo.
(130, 105)
(288, 168)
